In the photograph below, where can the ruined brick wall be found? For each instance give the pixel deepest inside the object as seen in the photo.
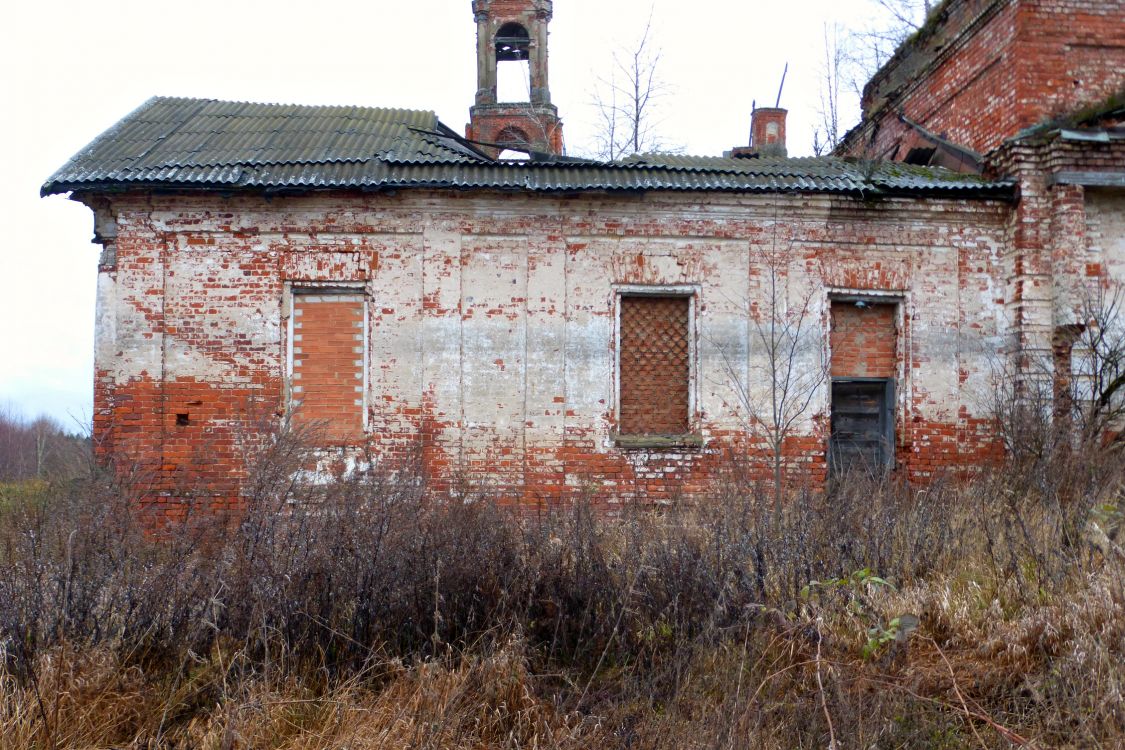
(532, 122)
(523, 126)
(492, 336)
(985, 69)
(1105, 236)
(1059, 244)
(1072, 55)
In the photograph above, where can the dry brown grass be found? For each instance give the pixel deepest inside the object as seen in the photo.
(366, 614)
(470, 702)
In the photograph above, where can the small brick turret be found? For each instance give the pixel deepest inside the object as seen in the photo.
(767, 131)
(507, 31)
(767, 134)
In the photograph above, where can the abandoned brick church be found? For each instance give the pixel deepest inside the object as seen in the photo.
(552, 324)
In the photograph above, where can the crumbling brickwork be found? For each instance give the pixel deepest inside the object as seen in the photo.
(510, 32)
(559, 329)
(1012, 80)
(491, 329)
(1053, 259)
(982, 70)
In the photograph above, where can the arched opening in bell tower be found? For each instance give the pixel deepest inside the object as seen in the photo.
(513, 66)
(515, 142)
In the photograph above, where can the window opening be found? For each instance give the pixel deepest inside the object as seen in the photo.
(655, 365)
(920, 156)
(328, 361)
(514, 138)
(513, 68)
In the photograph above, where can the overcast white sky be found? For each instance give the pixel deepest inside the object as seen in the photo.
(71, 68)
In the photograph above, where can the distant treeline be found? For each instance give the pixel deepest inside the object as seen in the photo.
(39, 448)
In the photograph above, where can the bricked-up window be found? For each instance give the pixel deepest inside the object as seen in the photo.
(864, 339)
(655, 358)
(328, 362)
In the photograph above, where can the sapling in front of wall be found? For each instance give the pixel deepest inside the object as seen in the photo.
(1095, 383)
(779, 385)
(1061, 412)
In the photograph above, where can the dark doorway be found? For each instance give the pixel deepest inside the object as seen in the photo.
(862, 425)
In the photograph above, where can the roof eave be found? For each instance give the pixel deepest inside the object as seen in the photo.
(1002, 190)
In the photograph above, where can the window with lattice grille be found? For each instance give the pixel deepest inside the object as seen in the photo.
(655, 365)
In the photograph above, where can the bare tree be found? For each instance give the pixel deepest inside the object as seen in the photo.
(15, 460)
(854, 53)
(787, 368)
(1070, 401)
(626, 102)
(535, 128)
(38, 449)
(1094, 385)
(43, 430)
(906, 15)
(827, 135)
(873, 44)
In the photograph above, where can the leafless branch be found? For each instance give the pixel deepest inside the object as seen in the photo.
(787, 369)
(827, 135)
(627, 101)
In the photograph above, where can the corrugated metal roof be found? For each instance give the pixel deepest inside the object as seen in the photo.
(204, 143)
(1093, 135)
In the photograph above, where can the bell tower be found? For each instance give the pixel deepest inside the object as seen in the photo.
(514, 33)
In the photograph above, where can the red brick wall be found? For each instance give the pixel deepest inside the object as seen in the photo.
(328, 358)
(990, 68)
(506, 9)
(1050, 257)
(864, 341)
(1072, 54)
(492, 352)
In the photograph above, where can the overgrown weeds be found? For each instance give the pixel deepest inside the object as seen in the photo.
(364, 612)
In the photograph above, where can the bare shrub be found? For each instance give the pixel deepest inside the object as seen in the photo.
(341, 609)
